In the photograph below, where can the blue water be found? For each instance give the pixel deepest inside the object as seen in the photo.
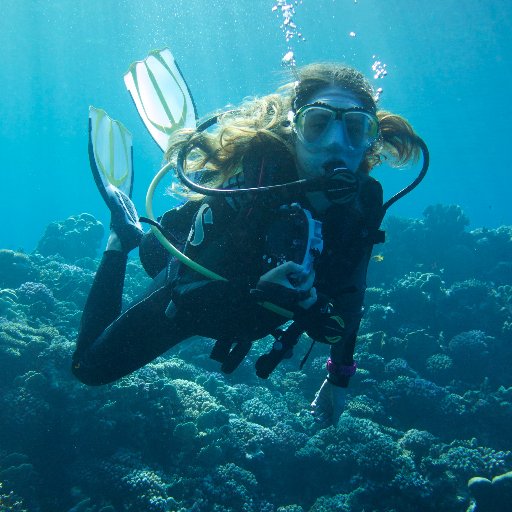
(448, 73)
(70, 447)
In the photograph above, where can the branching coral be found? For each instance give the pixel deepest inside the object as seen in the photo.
(474, 305)
(67, 282)
(20, 345)
(132, 484)
(470, 352)
(8, 298)
(466, 458)
(413, 300)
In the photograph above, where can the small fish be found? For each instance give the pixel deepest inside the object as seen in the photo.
(378, 258)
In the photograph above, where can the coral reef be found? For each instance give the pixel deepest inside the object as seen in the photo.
(79, 236)
(15, 268)
(491, 495)
(429, 408)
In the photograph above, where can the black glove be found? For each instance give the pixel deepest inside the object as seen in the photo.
(287, 298)
(322, 323)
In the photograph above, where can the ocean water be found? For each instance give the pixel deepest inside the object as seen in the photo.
(430, 406)
(447, 67)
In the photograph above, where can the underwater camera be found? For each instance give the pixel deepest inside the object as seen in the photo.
(293, 236)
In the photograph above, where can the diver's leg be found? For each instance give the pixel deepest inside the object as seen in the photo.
(104, 302)
(106, 353)
(135, 338)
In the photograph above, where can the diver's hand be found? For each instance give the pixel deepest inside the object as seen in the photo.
(292, 276)
(328, 404)
(288, 286)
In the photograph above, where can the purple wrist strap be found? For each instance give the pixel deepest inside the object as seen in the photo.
(341, 369)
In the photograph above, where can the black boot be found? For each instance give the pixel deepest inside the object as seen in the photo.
(125, 220)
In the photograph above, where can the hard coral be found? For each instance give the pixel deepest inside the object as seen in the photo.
(195, 399)
(419, 347)
(232, 487)
(465, 458)
(36, 293)
(131, 481)
(357, 444)
(493, 248)
(414, 402)
(10, 502)
(470, 352)
(447, 221)
(439, 367)
(438, 243)
(77, 237)
(25, 413)
(20, 346)
(397, 367)
(18, 478)
(338, 503)
(413, 299)
(69, 283)
(363, 406)
(257, 411)
(417, 441)
(473, 304)
(8, 298)
(15, 268)
(491, 496)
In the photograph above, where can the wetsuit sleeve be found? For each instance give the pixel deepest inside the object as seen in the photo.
(104, 301)
(349, 305)
(349, 302)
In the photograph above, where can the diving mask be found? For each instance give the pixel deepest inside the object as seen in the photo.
(313, 122)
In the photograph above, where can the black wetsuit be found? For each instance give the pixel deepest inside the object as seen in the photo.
(227, 238)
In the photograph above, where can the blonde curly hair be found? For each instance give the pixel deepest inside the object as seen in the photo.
(264, 123)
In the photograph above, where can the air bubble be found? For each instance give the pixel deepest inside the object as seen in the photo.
(288, 59)
(379, 69)
(289, 27)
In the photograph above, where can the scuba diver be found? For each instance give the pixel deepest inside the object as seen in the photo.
(283, 211)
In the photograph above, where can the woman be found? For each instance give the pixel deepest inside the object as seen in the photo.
(322, 133)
